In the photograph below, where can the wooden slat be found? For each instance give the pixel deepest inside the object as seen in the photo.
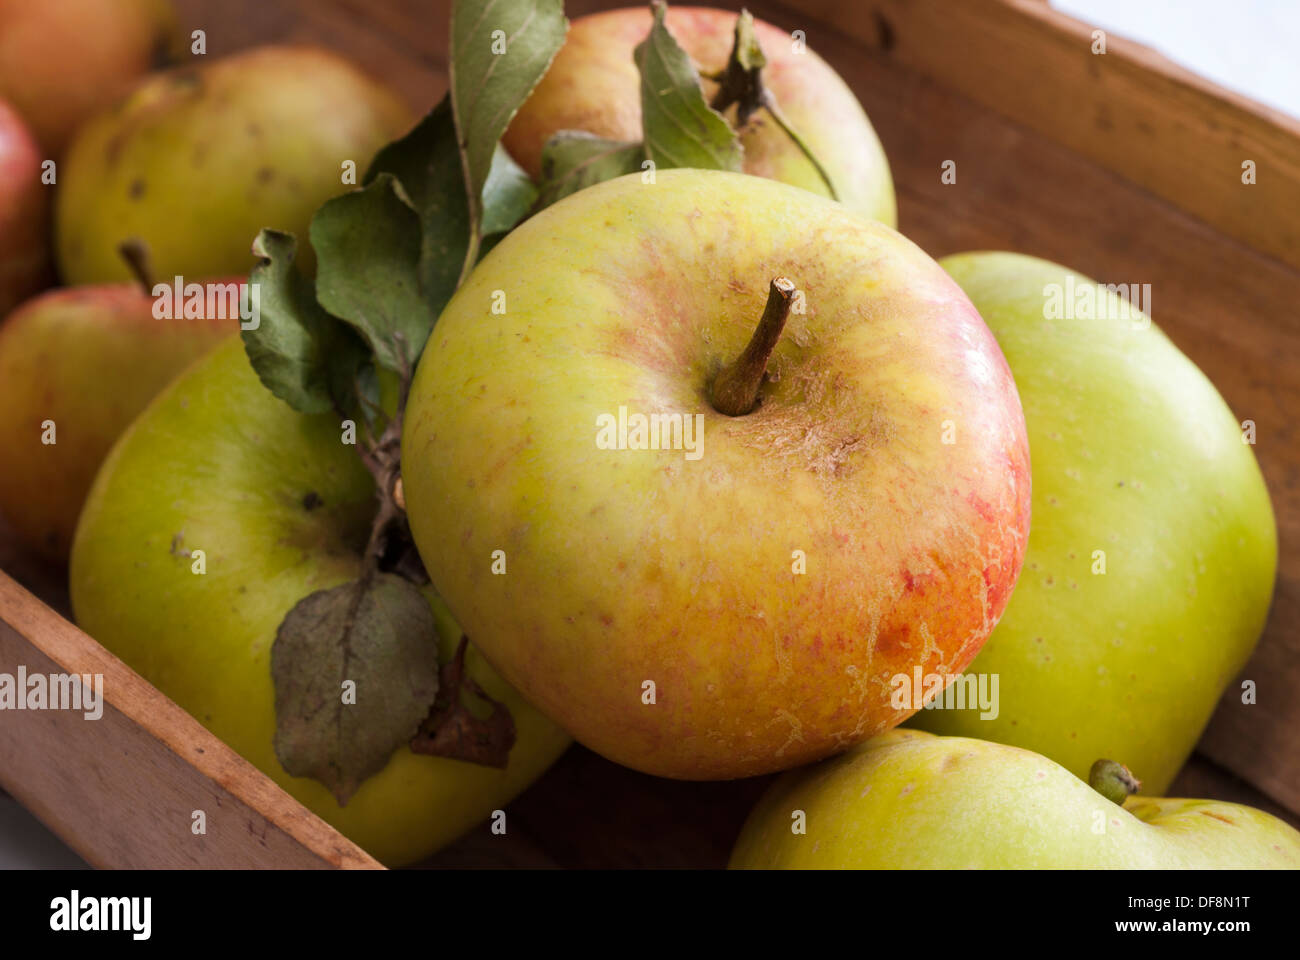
(403, 42)
(121, 790)
(1131, 110)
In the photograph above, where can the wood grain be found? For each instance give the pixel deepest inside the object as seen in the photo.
(1130, 110)
(121, 790)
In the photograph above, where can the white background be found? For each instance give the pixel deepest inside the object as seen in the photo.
(1249, 46)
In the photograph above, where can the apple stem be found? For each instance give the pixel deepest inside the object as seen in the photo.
(390, 534)
(136, 254)
(1113, 781)
(735, 388)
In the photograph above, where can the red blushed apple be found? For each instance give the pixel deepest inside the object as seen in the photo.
(594, 85)
(731, 587)
(25, 264)
(76, 367)
(61, 61)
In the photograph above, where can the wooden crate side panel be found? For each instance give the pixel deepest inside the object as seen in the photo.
(122, 789)
(1131, 109)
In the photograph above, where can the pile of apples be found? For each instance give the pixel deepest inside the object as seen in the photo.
(865, 465)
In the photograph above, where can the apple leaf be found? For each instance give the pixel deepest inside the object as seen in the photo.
(427, 164)
(356, 673)
(452, 730)
(680, 128)
(508, 195)
(299, 351)
(574, 159)
(367, 245)
(499, 51)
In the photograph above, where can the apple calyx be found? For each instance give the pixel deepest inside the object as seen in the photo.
(136, 254)
(735, 388)
(740, 82)
(1113, 781)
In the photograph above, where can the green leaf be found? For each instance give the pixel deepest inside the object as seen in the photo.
(508, 194)
(679, 127)
(367, 245)
(374, 638)
(499, 50)
(573, 160)
(288, 347)
(427, 164)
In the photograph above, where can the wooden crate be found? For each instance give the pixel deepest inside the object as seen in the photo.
(1122, 165)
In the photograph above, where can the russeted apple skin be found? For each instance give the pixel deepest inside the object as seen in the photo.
(628, 566)
(25, 265)
(197, 160)
(1137, 455)
(63, 61)
(910, 800)
(594, 85)
(218, 463)
(89, 359)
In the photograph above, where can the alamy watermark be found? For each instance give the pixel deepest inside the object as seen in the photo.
(1097, 301)
(213, 301)
(945, 691)
(53, 691)
(655, 431)
(75, 913)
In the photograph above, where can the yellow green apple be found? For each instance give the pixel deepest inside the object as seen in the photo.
(719, 591)
(910, 800)
(62, 61)
(77, 365)
(1153, 551)
(195, 161)
(280, 508)
(24, 213)
(594, 85)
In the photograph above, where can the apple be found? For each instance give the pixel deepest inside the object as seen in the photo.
(62, 61)
(196, 161)
(594, 85)
(909, 800)
(732, 595)
(24, 213)
(281, 508)
(1153, 551)
(76, 367)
